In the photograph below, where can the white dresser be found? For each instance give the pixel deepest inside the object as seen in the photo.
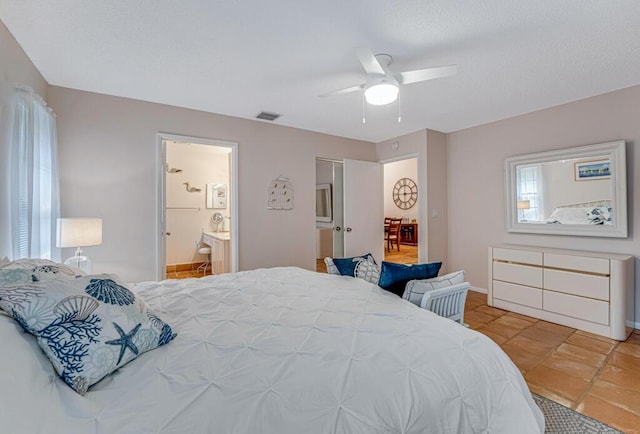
(584, 290)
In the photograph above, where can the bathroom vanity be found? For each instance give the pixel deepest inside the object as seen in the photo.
(220, 250)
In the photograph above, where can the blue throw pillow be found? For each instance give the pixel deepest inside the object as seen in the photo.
(363, 267)
(394, 277)
(347, 266)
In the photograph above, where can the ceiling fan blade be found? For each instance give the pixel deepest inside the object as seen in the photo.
(342, 91)
(417, 75)
(369, 61)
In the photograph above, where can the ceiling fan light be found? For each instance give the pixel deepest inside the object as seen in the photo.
(381, 94)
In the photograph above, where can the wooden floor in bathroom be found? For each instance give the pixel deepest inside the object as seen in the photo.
(185, 271)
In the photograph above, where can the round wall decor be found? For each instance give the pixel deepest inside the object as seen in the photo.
(405, 193)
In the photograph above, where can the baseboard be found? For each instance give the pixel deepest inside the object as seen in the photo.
(635, 325)
(476, 289)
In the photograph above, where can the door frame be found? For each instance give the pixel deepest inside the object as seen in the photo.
(422, 201)
(160, 223)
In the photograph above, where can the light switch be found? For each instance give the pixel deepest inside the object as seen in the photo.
(434, 213)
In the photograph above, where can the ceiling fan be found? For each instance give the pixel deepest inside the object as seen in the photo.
(382, 85)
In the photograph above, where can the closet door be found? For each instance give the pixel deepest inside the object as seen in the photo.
(363, 209)
(338, 210)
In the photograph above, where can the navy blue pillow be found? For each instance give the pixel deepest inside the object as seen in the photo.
(347, 266)
(394, 277)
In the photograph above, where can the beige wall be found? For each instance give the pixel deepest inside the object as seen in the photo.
(476, 163)
(16, 66)
(436, 212)
(108, 155)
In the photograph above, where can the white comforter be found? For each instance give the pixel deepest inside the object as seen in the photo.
(281, 350)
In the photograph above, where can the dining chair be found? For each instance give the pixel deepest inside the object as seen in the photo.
(392, 236)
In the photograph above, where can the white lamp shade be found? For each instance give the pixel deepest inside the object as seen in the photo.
(79, 232)
(523, 204)
(381, 93)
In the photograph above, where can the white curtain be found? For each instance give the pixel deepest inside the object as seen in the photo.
(29, 184)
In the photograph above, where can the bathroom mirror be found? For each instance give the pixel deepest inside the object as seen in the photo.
(216, 196)
(573, 191)
(323, 203)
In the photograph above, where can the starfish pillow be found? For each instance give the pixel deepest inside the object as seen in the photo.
(88, 326)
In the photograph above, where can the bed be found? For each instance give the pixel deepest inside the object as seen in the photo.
(279, 350)
(597, 212)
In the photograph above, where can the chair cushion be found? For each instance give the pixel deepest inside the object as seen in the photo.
(415, 289)
(394, 277)
(363, 267)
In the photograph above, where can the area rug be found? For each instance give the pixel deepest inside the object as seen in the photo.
(560, 419)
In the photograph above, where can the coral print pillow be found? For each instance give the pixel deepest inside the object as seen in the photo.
(88, 326)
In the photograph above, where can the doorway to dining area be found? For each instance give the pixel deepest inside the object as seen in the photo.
(401, 196)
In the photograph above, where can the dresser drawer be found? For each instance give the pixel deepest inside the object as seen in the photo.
(577, 307)
(520, 256)
(519, 294)
(585, 285)
(515, 273)
(578, 263)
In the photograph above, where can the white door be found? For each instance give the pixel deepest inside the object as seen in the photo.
(363, 209)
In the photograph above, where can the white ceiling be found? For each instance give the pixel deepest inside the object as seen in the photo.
(239, 57)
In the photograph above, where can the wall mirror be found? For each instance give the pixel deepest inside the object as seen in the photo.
(573, 191)
(216, 196)
(323, 203)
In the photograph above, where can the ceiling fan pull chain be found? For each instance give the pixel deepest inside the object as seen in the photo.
(364, 118)
(399, 109)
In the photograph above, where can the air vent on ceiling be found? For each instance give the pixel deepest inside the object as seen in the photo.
(268, 116)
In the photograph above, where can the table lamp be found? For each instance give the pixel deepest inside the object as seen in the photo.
(79, 232)
(522, 205)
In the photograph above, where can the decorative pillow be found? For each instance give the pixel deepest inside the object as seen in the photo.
(415, 289)
(331, 267)
(88, 326)
(394, 277)
(4, 261)
(363, 267)
(43, 266)
(600, 215)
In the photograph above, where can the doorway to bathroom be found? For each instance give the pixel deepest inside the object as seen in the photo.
(197, 207)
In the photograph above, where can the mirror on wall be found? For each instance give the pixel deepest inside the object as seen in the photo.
(323, 203)
(572, 191)
(216, 196)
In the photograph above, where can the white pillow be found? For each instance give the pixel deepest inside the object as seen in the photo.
(4, 261)
(331, 267)
(42, 265)
(415, 289)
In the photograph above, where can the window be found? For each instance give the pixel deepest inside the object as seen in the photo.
(530, 189)
(29, 169)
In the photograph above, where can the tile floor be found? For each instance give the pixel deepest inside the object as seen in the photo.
(596, 376)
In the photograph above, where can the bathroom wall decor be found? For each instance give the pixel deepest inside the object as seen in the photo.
(192, 189)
